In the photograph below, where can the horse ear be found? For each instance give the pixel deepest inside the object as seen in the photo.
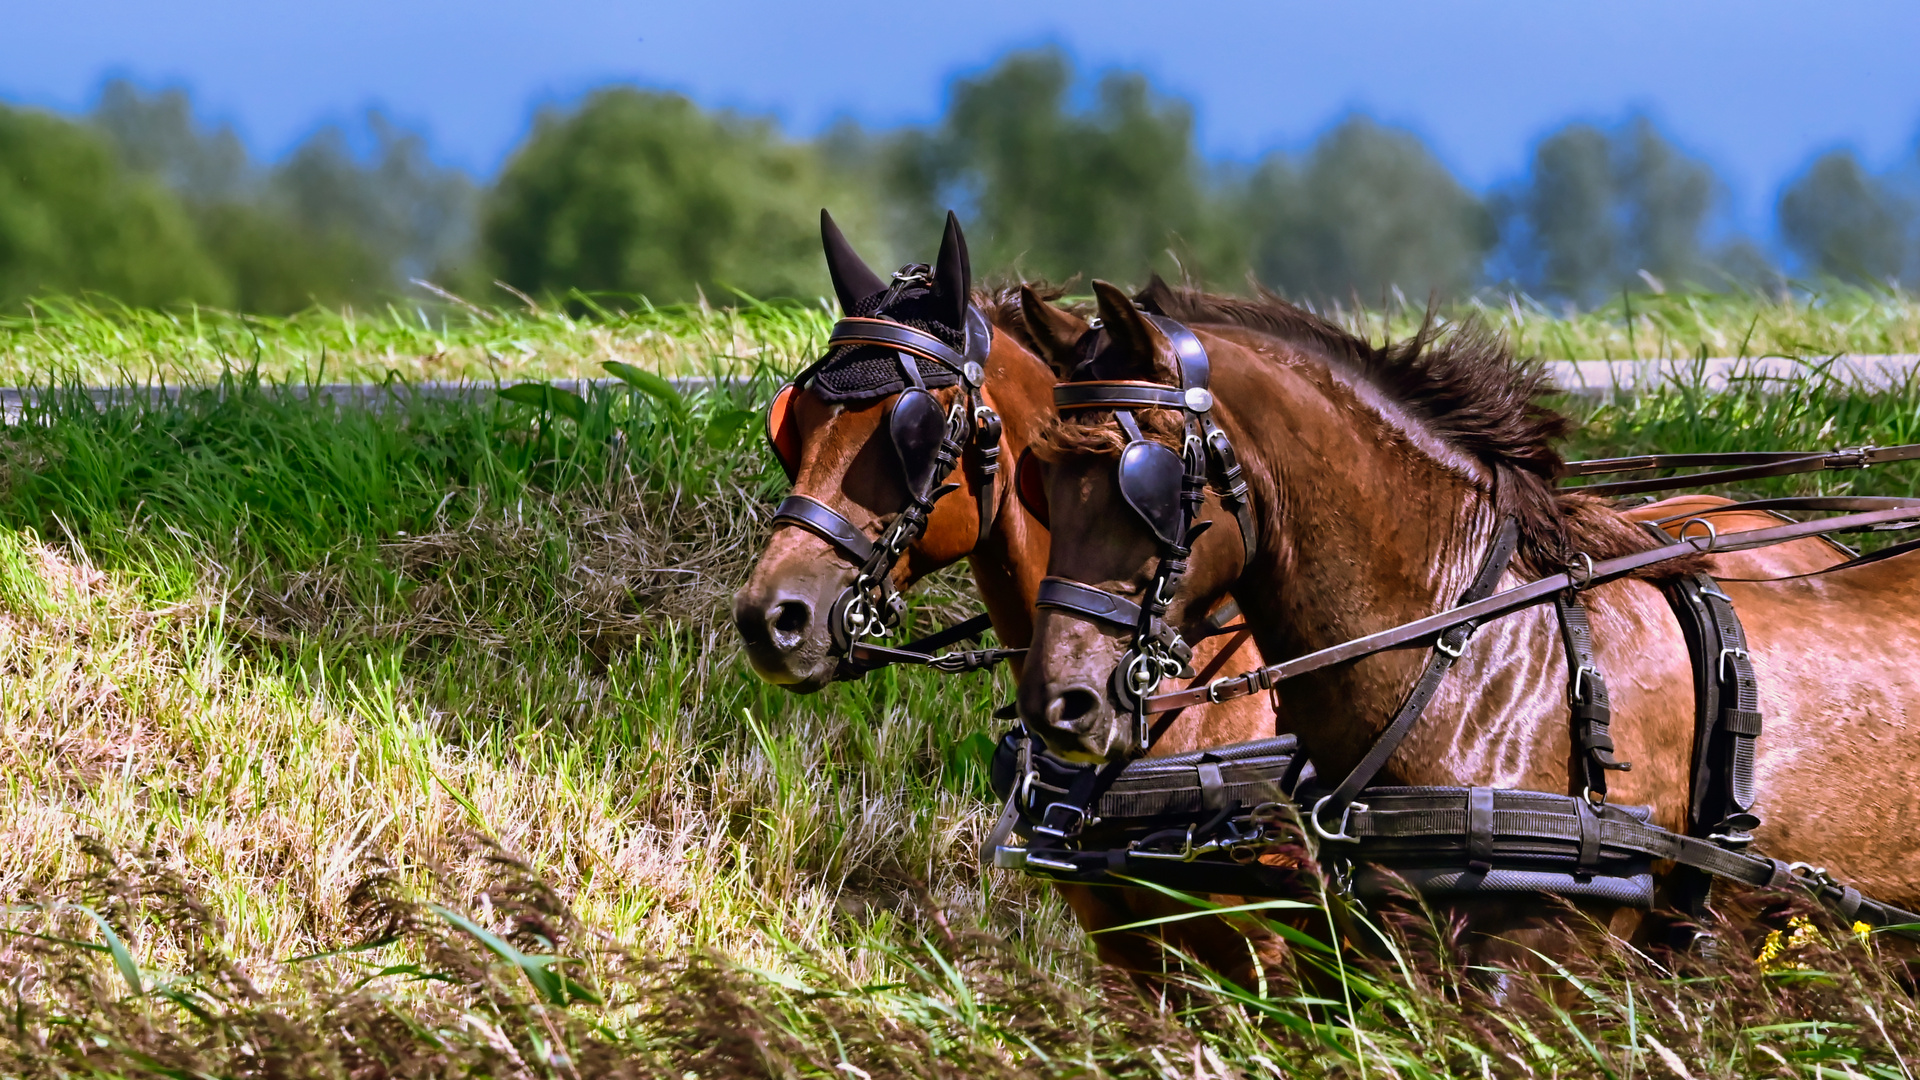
(1054, 332)
(953, 276)
(1135, 352)
(853, 281)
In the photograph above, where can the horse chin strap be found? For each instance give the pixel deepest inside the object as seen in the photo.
(872, 605)
(1157, 651)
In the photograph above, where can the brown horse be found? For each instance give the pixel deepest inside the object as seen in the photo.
(1378, 475)
(844, 460)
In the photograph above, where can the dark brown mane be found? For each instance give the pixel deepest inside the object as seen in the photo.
(1465, 385)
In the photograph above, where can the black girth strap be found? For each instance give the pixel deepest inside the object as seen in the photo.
(1586, 699)
(1446, 649)
(1729, 714)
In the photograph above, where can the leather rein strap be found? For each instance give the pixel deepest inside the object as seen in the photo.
(1535, 592)
(1748, 465)
(1446, 649)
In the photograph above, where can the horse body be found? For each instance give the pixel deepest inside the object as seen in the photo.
(1375, 507)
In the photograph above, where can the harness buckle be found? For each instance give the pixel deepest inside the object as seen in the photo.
(1585, 581)
(1213, 688)
(1346, 819)
(1451, 652)
(1074, 817)
(1727, 655)
(1576, 692)
(1185, 854)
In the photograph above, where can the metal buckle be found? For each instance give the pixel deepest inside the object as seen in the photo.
(1213, 688)
(1061, 831)
(1346, 818)
(1451, 652)
(1852, 457)
(1807, 872)
(1185, 854)
(1728, 654)
(1582, 675)
(1033, 859)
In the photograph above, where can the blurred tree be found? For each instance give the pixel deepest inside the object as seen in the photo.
(74, 219)
(1369, 210)
(1104, 191)
(413, 214)
(642, 192)
(1843, 222)
(1599, 208)
(324, 227)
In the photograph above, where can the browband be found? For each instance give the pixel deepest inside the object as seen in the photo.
(885, 333)
(1118, 394)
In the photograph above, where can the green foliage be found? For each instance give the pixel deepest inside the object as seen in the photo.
(644, 192)
(1846, 223)
(1369, 210)
(1054, 192)
(324, 227)
(1599, 208)
(73, 219)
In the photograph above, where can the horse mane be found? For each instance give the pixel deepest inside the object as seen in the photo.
(1465, 385)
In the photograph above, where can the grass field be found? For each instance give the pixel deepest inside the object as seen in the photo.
(414, 742)
(104, 344)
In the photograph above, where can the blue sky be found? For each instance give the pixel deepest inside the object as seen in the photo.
(1756, 87)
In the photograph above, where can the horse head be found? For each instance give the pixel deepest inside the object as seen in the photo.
(894, 446)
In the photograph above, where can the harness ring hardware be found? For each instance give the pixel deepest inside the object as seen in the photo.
(1713, 534)
(1450, 651)
(1585, 581)
(1346, 820)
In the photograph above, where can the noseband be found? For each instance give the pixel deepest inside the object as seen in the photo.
(1165, 489)
(927, 445)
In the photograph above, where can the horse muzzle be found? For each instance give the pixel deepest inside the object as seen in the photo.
(784, 631)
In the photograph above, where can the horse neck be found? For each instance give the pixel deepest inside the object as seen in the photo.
(1008, 567)
(1368, 521)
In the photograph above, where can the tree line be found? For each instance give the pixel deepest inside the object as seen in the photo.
(1055, 172)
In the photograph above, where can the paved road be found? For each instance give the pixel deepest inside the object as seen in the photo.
(1598, 378)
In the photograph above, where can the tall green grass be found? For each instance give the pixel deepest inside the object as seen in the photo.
(435, 339)
(414, 741)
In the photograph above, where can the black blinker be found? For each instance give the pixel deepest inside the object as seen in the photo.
(918, 426)
(1151, 477)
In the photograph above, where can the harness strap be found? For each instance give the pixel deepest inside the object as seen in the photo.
(1510, 600)
(1753, 466)
(1446, 649)
(1725, 751)
(827, 523)
(1586, 697)
(887, 334)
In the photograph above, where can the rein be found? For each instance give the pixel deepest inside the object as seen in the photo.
(1440, 840)
(927, 446)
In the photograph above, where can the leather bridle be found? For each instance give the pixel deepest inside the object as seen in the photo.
(1165, 489)
(928, 443)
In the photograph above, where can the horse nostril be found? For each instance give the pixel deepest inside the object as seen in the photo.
(790, 619)
(1071, 707)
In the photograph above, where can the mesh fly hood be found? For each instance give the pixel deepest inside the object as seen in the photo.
(856, 373)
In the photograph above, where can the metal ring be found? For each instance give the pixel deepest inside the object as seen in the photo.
(1713, 534)
(1586, 580)
(1143, 674)
(1346, 816)
(1595, 801)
